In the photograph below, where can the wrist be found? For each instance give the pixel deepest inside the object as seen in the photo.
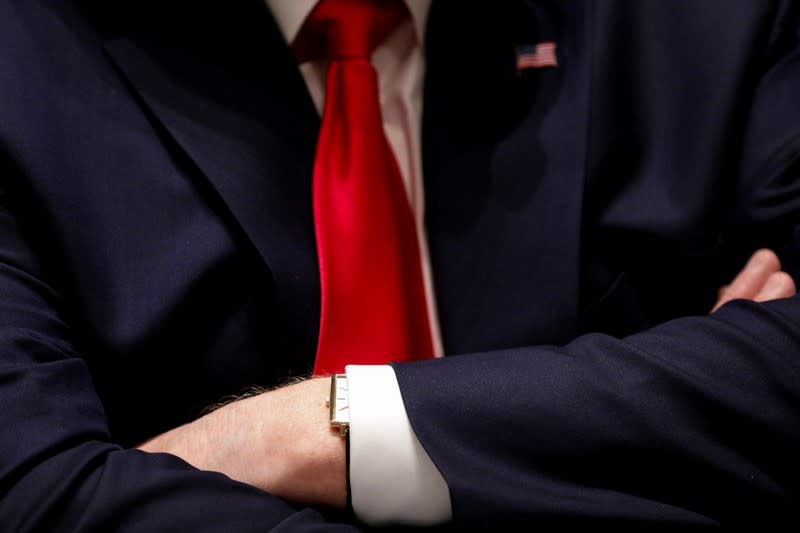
(304, 458)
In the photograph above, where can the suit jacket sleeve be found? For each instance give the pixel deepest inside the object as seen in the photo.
(59, 469)
(693, 422)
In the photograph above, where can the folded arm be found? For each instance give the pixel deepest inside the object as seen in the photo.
(60, 468)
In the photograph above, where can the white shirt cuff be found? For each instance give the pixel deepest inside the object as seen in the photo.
(392, 478)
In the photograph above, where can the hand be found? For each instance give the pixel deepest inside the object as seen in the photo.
(279, 441)
(760, 280)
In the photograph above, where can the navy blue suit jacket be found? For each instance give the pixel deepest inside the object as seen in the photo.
(157, 254)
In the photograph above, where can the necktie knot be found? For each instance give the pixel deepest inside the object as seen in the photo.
(348, 29)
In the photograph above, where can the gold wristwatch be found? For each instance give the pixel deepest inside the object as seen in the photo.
(339, 404)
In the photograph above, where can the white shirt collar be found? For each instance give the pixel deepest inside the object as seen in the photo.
(290, 15)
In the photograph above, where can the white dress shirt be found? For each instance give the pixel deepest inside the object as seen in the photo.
(392, 478)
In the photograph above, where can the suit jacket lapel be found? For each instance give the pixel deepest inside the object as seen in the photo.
(503, 158)
(229, 94)
(504, 171)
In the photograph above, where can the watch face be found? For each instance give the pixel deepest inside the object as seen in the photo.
(339, 405)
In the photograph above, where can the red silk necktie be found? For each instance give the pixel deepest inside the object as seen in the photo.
(373, 297)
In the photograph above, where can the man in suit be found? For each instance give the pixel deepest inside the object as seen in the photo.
(158, 253)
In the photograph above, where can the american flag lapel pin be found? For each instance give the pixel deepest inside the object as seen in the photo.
(540, 55)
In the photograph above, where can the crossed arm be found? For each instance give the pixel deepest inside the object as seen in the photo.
(279, 441)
